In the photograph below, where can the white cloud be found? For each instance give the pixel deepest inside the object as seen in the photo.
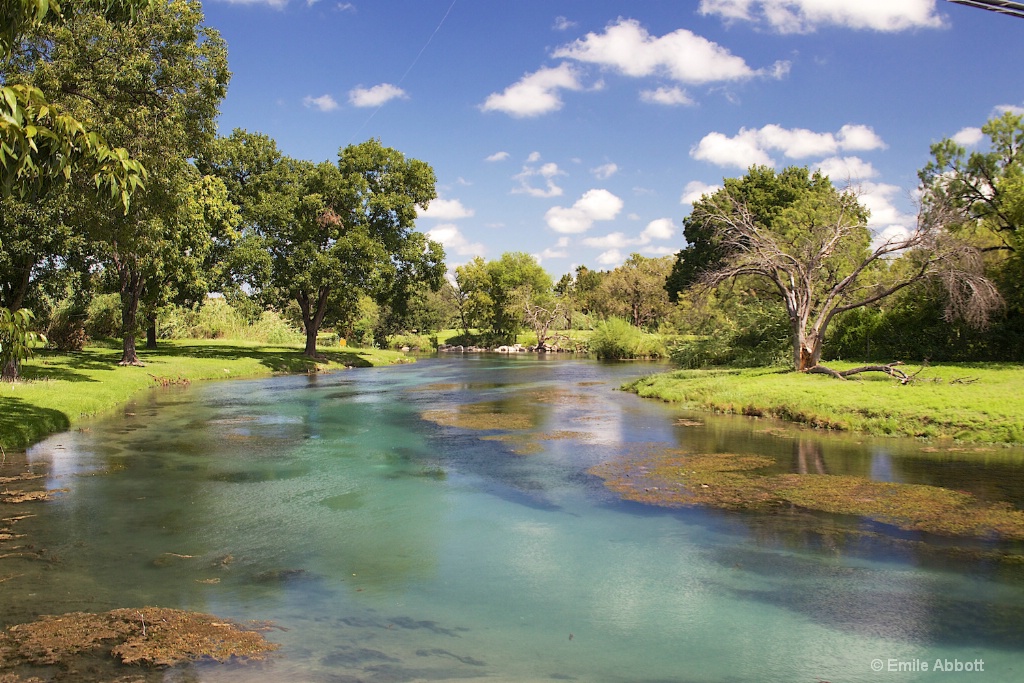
(559, 250)
(535, 94)
(498, 156)
(751, 146)
(1001, 109)
(323, 103)
(968, 137)
(454, 241)
(563, 24)
(612, 258)
(447, 210)
(375, 96)
(605, 171)
(742, 150)
(681, 55)
(669, 97)
(533, 158)
(879, 198)
(840, 169)
(695, 189)
(594, 205)
(658, 229)
(805, 16)
(345, 7)
(548, 172)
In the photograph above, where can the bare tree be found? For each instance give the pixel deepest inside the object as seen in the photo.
(819, 260)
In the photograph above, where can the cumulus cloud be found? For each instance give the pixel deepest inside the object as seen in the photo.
(695, 189)
(605, 171)
(670, 97)
(594, 205)
(454, 241)
(1001, 109)
(535, 94)
(276, 4)
(658, 229)
(805, 16)
(846, 168)
(751, 146)
(498, 156)
(627, 47)
(559, 250)
(611, 258)
(323, 103)
(447, 210)
(547, 172)
(375, 96)
(968, 137)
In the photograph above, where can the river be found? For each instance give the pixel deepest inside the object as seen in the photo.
(436, 522)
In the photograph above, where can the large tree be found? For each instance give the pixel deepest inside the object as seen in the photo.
(635, 291)
(323, 234)
(807, 243)
(500, 294)
(152, 86)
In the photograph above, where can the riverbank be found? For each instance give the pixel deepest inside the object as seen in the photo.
(976, 403)
(61, 390)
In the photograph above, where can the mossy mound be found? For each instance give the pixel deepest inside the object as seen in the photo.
(150, 636)
(674, 478)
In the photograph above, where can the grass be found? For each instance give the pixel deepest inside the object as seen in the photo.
(58, 391)
(978, 403)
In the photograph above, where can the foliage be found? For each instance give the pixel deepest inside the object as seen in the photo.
(41, 144)
(498, 293)
(814, 254)
(634, 291)
(739, 331)
(16, 340)
(616, 339)
(103, 320)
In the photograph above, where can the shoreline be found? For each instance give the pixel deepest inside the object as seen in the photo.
(979, 403)
(61, 390)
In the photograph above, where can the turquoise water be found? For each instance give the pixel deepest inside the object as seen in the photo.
(387, 547)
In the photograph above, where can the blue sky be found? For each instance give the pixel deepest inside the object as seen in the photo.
(580, 130)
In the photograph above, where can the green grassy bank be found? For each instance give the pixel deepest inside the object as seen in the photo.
(60, 390)
(980, 403)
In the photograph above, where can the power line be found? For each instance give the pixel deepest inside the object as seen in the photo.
(1013, 9)
(413, 64)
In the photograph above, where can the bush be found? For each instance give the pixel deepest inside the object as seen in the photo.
(419, 342)
(615, 338)
(103, 320)
(66, 331)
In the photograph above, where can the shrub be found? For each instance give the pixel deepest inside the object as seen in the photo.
(615, 338)
(419, 342)
(103, 320)
(66, 331)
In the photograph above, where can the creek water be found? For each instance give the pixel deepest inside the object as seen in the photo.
(389, 547)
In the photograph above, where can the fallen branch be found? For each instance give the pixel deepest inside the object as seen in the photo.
(890, 369)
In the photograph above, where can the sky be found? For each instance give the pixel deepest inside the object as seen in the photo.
(581, 131)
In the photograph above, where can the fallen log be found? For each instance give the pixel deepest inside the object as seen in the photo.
(890, 369)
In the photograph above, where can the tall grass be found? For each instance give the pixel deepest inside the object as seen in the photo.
(616, 339)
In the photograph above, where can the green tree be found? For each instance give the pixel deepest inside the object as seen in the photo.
(813, 252)
(324, 234)
(41, 144)
(153, 86)
(635, 291)
(500, 293)
(16, 339)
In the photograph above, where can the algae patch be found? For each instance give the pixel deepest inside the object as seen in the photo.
(150, 636)
(675, 478)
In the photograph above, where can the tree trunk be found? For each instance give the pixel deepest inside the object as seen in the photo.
(806, 350)
(151, 331)
(131, 289)
(10, 371)
(313, 319)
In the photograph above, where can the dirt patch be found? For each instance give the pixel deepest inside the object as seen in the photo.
(674, 478)
(150, 636)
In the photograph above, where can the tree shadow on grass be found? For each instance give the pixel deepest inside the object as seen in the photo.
(22, 423)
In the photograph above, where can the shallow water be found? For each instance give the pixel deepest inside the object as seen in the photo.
(395, 548)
